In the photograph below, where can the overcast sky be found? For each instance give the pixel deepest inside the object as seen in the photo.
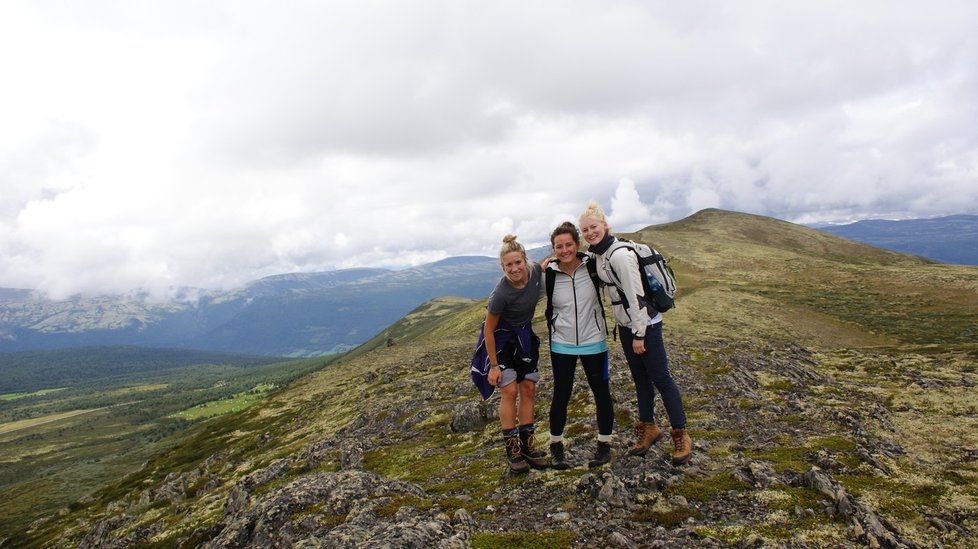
(159, 144)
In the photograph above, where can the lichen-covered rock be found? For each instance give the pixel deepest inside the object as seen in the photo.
(468, 416)
(348, 501)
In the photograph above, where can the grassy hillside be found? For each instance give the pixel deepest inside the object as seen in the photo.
(415, 324)
(104, 411)
(829, 387)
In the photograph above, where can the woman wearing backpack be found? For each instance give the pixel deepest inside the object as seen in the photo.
(640, 331)
(511, 348)
(575, 318)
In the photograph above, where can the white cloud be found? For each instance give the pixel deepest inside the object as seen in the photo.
(628, 213)
(156, 144)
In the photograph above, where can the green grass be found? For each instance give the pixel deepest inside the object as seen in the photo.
(223, 406)
(18, 396)
(706, 488)
(897, 498)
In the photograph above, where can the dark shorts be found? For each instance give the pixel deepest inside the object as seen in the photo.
(519, 372)
(514, 368)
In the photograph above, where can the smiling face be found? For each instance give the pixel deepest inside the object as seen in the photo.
(593, 230)
(565, 248)
(514, 265)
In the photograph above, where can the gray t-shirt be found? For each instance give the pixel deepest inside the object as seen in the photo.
(517, 306)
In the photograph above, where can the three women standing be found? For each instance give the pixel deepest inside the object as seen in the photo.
(577, 329)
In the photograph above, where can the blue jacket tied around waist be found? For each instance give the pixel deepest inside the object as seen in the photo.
(519, 341)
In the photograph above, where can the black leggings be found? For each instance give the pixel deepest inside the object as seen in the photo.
(596, 369)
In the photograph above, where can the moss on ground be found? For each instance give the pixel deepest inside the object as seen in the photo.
(703, 489)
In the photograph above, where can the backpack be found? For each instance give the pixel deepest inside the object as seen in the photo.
(659, 281)
(551, 277)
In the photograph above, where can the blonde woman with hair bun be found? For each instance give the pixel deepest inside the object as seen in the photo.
(507, 353)
(640, 331)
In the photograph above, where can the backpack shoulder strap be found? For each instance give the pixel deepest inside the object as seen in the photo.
(592, 270)
(618, 245)
(550, 277)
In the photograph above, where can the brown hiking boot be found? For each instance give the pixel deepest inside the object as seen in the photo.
(516, 462)
(646, 434)
(684, 447)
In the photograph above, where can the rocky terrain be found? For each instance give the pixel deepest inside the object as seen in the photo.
(815, 424)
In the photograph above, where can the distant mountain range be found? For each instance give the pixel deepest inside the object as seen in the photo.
(950, 239)
(308, 314)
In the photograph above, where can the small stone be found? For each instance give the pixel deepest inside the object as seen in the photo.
(679, 501)
(618, 539)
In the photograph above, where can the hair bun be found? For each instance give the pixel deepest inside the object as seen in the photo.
(509, 238)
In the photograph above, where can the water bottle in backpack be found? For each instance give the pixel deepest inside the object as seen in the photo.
(658, 280)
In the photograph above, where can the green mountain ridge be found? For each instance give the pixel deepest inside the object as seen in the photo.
(829, 387)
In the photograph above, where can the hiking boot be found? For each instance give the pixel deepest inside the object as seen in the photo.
(557, 458)
(684, 447)
(516, 462)
(646, 434)
(526, 443)
(601, 456)
(535, 459)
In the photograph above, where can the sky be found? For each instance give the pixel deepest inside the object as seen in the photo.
(149, 146)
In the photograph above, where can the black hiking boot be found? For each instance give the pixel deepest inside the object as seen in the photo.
(557, 459)
(513, 456)
(527, 442)
(601, 456)
(535, 458)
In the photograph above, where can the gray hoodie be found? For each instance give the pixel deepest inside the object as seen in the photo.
(577, 315)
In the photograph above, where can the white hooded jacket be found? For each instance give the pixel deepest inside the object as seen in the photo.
(577, 317)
